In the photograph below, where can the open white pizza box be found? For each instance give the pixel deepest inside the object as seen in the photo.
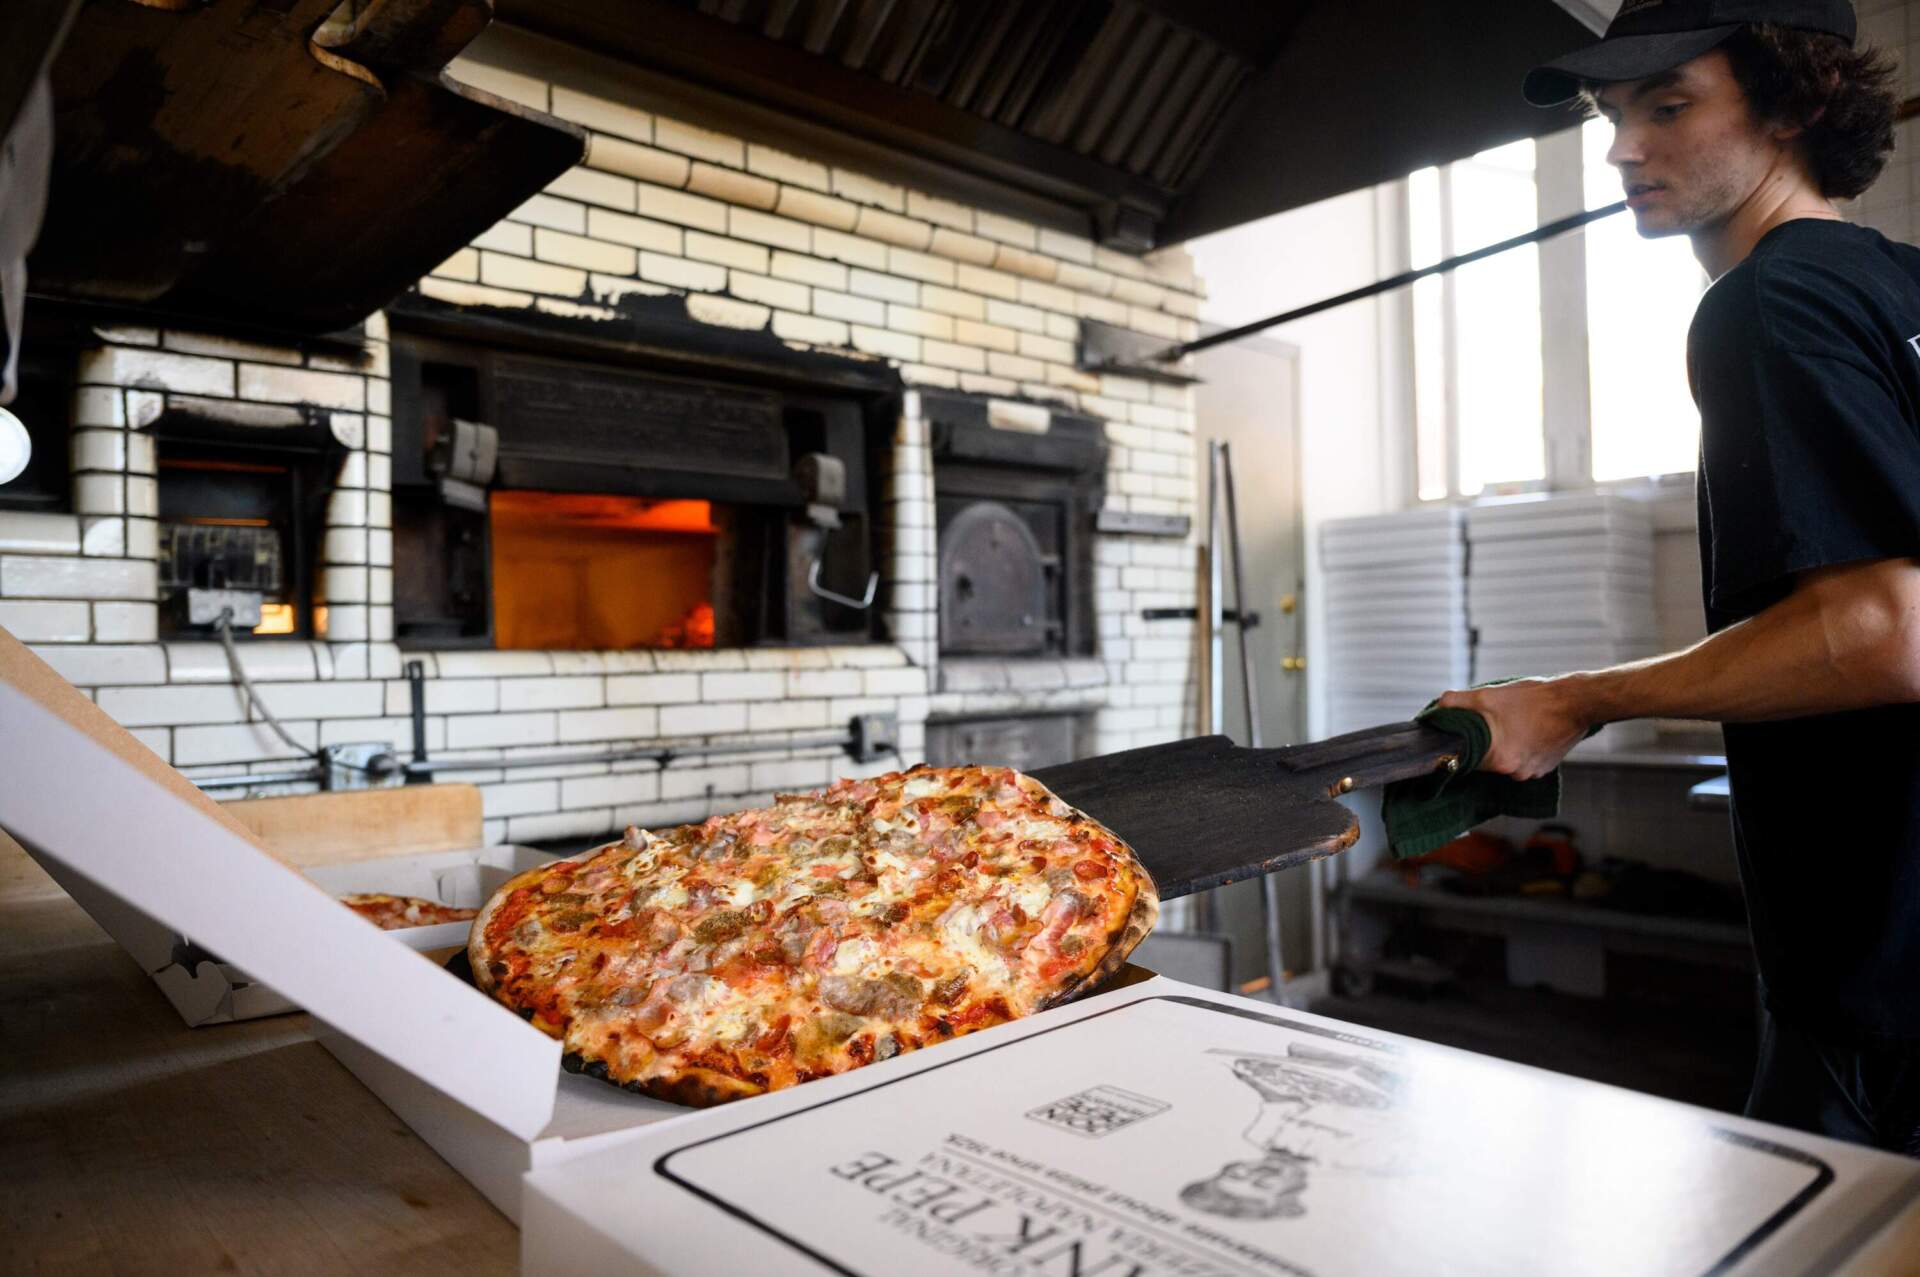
(150, 857)
(207, 989)
(153, 859)
(1163, 1130)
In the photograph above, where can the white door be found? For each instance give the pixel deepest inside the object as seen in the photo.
(1249, 399)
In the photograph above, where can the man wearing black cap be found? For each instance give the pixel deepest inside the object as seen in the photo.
(1738, 123)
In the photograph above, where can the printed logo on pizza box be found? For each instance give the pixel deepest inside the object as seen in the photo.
(1098, 1110)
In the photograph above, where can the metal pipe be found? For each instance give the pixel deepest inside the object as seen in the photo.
(311, 775)
(1250, 687)
(661, 754)
(1203, 915)
(1551, 229)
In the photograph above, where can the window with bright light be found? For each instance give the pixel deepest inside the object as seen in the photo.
(1479, 369)
(1477, 331)
(1641, 295)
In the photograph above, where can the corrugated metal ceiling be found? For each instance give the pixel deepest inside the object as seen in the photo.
(1116, 81)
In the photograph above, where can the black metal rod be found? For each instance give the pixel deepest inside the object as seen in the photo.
(1534, 236)
(417, 693)
(417, 698)
(661, 754)
(315, 775)
(1248, 620)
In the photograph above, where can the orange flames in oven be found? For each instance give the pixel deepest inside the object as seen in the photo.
(578, 571)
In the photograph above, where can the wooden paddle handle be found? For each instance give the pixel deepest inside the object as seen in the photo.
(1376, 756)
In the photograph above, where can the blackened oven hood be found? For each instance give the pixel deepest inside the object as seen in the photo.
(291, 164)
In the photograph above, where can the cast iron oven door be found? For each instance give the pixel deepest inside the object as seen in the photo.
(994, 585)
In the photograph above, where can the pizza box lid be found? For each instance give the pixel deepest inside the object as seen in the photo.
(206, 989)
(100, 810)
(1165, 1129)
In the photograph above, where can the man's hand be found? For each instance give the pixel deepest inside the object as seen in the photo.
(1847, 637)
(1534, 723)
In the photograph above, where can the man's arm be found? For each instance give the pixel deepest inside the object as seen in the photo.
(1847, 637)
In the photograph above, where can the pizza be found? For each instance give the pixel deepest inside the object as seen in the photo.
(397, 913)
(831, 929)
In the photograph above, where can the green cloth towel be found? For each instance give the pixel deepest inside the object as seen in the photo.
(1430, 811)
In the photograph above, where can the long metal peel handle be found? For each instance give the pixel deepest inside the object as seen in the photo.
(1376, 756)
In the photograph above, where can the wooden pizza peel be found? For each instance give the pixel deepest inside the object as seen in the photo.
(1202, 812)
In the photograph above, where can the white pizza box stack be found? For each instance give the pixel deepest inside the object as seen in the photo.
(1162, 1129)
(1559, 582)
(132, 838)
(1396, 608)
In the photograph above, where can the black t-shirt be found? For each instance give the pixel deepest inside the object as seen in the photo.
(1805, 362)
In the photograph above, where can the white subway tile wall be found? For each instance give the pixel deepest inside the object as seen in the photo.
(753, 237)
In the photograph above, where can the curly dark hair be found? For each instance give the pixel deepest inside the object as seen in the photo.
(1841, 95)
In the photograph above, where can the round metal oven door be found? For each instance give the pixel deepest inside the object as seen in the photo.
(994, 580)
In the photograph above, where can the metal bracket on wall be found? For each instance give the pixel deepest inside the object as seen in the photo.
(1231, 614)
(1127, 523)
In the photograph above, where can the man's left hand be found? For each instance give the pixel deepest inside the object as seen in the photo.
(1534, 723)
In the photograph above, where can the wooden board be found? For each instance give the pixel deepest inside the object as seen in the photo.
(364, 824)
(131, 1143)
(21, 876)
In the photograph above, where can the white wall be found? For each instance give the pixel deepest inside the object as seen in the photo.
(1355, 431)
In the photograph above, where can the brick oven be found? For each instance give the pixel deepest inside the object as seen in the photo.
(669, 349)
(578, 504)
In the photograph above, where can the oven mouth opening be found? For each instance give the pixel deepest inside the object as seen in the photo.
(604, 572)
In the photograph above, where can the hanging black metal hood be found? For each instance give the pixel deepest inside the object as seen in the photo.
(1135, 122)
(234, 160)
(284, 163)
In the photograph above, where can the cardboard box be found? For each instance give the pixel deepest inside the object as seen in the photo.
(133, 840)
(1165, 1130)
(206, 989)
(137, 844)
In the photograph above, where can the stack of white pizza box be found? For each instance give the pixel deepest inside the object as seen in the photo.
(1395, 594)
(1562, 582)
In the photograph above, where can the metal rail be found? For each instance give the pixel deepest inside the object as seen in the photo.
(239, 780)
(868, 736)
(1181, 349)
(663, 754)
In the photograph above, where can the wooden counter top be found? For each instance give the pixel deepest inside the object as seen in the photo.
(130, 1143)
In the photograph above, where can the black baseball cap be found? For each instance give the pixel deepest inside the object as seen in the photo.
(1651, 36)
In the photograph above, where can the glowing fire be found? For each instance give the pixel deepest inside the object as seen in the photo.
(277, 618)
(585, 571)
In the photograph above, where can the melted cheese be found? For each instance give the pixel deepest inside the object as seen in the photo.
(853, 955)
(883, 900)
(1032, 896)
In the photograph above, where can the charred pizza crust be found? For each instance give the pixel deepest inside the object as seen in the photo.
(1139, 919)
(846, 925)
